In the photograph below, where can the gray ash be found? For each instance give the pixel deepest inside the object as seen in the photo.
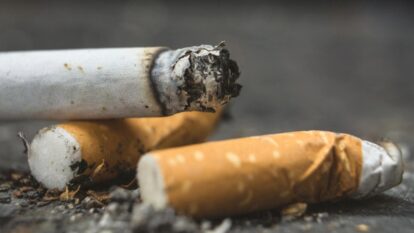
(198, 78)
(104, 209)
(204, 65)
(146, 219)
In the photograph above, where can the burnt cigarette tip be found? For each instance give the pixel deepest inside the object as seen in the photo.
(223, 68)
(205, 77)
(211, 74)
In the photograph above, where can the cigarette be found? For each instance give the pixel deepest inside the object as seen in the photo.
(239, 176)
(90, 152)
(115, 82)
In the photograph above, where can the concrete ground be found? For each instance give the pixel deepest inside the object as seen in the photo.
(339, 67)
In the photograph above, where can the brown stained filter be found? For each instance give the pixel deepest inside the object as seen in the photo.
(256, 173)
(109, 148)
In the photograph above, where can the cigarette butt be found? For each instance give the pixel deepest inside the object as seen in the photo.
(113, 83)
(256, 173)
(99, 151)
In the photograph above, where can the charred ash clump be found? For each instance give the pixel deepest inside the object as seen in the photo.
(211, 75)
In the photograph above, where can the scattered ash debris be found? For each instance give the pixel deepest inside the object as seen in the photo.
(262, 219)
(115, 209)
(25, 206)
(146, 219)
(35, 209)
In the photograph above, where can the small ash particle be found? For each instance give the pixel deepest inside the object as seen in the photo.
(146, 219)
(306, 227)
(122, 195)
(25, 181)
(362, 228)
(5, 198)
(43, 203)
(24, 203)
(294, 211)
(90, 203)
(16, 176)
(321, 216)
(5, 187)
(223, 227)
(308, 219)
(32, 194)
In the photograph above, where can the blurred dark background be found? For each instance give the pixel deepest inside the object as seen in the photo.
(344, 66)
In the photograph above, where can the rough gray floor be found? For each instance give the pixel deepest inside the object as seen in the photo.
(341, 67)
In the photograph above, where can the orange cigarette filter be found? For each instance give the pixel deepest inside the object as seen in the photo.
(239, 176)
(105, 150)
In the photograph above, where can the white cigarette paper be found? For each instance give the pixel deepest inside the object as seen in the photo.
(115, 82)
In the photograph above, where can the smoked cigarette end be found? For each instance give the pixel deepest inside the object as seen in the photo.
(199, 78)
(110, 83)
(90, 152)
(382, 168)
(256, 173)
(52, 155)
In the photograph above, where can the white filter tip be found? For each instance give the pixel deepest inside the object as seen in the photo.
(151, 182)
(52, 156)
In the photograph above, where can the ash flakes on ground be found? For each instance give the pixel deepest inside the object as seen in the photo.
(25, 206)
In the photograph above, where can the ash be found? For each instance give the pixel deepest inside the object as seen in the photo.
(25, 206)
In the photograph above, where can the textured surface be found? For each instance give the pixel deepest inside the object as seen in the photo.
(334, 67)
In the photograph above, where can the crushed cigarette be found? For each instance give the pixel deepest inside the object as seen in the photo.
(83, 152)
(115, 82)
(245, 175)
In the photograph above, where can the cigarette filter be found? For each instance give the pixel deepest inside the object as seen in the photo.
(244, 175)
(98, 151)
(115, 82)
